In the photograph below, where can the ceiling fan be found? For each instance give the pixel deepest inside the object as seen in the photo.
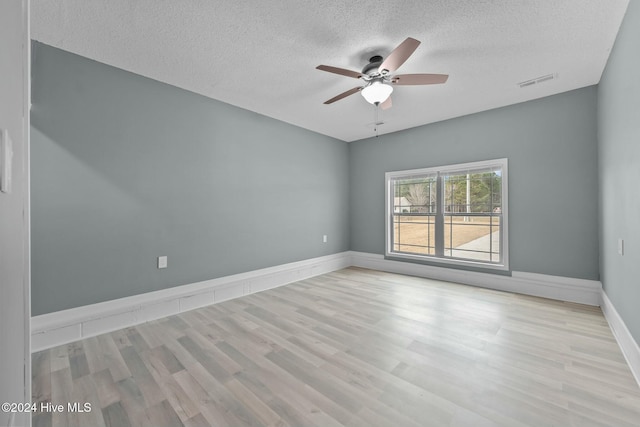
(378, 77)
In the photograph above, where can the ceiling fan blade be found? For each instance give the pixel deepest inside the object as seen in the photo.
(419, 79)
(400, 54)
(344, 95)
(386, 104)
(341, 71)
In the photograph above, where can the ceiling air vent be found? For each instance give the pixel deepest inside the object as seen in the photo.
(537, 80)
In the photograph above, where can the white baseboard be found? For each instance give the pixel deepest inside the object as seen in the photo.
(555, 287)
(628, 345)
(62, 327)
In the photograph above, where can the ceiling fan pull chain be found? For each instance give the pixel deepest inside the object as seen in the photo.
(375, 118)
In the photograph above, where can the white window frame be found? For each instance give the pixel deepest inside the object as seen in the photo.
(504, 237)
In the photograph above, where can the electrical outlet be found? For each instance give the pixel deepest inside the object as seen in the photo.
(324, 238)
(162, 262)
(620, 247)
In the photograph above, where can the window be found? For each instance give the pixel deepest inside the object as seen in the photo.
(453, 214)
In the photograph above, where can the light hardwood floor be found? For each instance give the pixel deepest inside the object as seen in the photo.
(350, 348)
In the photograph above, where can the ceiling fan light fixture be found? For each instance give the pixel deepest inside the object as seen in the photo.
(377, 92)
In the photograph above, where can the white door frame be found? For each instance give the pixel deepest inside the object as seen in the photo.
(15, 275)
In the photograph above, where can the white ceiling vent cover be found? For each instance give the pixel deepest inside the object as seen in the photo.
(537, 80)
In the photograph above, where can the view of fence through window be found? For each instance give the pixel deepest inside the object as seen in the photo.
(455, 215)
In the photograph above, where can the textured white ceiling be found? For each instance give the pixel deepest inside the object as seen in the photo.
(261, 55)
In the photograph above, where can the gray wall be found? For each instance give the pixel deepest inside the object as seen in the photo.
(125, 169)
(619, 171)
(553, 187)
(15, 363)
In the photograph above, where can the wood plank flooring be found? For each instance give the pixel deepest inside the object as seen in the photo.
(351, 348)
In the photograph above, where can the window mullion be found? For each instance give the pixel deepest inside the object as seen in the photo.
(439, 226)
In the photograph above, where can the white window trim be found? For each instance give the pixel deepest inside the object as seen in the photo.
(504, 242)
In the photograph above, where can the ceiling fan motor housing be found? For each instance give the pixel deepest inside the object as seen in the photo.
(373, 65)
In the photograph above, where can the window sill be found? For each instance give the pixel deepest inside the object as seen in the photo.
(447, 262)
